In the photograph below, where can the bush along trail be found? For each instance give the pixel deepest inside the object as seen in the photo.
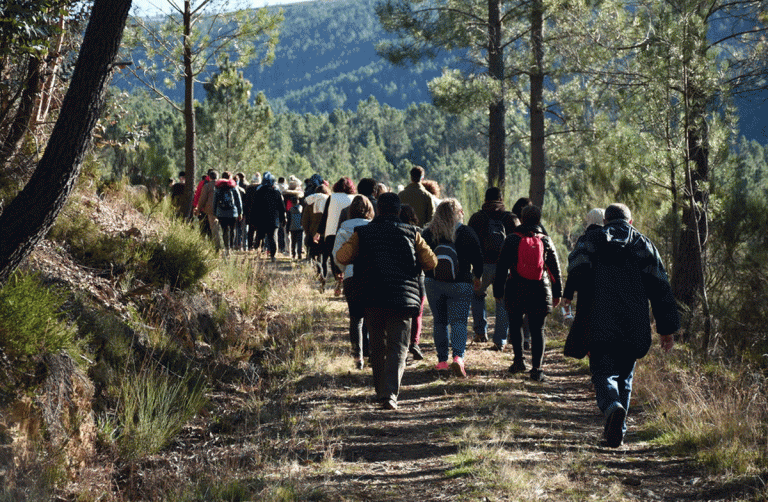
(310, 428)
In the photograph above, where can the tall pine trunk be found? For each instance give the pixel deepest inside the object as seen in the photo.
(497, 109)
(536, 106)
(31, 214)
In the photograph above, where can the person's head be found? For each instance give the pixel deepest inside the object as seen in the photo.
(493, 194)
(240, 177)
(256, 179)
(432, 187)
(366, 187)
(344, 185)
(448, 214)
(213, 175)
(417, 174)
(323, 189)
(389, 204)
(380, 189)
(408, 215)
(226, 175)
(281, 180)
(361, 207)
(595, 216)
(182, 174)
(618, 211)
(531, 216)
(210, 171)
(268, 179)
(517, 209)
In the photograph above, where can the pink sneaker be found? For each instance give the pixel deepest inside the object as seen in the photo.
(442, 366)
(458, 367)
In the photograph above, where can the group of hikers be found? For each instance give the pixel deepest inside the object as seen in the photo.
(389, 252)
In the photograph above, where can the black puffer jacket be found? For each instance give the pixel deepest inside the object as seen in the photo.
(387, 264)
(621, 271)
(523, 294)
(468, 250)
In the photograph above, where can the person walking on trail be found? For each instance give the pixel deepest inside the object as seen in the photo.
(268, 213)
(343, 193)
(228, 207)
(360, 213)
(575, 345)
(408, 216)
(622, 271)
(450, 285)
(205, 206)
(417, 196)
(492, 224)
(529, 281)
(388, 256)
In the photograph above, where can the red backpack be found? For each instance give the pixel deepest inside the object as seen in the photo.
(530, 257)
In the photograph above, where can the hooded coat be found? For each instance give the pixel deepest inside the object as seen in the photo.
(621, 271)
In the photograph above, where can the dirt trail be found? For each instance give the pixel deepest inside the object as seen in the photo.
(493, 436)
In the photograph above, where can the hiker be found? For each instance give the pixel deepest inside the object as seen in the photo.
(417, 196)
(628, 269)
(492, 224)
(360, 213)
(311, 215)
(517, 208)
(529, 282)
(388, 255)
(343, 193)
(407, 215)
(205, 206)
(267, 213)
(450, 285)
(228, 207)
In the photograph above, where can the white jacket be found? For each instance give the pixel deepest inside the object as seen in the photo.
(338, 202)
(345, 231)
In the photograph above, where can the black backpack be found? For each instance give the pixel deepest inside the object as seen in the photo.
(447, 269)
(495, 240)
(226, 201)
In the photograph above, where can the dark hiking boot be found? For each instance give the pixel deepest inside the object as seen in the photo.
(416, 352)
(537, 375)
(614, 427)
(517, 367)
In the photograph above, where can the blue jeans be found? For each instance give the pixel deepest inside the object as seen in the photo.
(449, 302)
(479, 317)
(612, 375)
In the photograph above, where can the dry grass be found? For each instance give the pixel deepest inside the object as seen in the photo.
(715, 412)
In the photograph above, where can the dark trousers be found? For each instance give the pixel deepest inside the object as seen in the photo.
(228, 231)
(269, 235)
(297, 243)
(390, 333)
(536, 325)
(358, 332)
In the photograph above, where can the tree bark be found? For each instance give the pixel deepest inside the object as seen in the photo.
(189, 114)
(497, 109)
(536, 106)
(32, 213)
(24, 111)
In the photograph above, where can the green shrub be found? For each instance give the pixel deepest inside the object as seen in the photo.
(154, 406)
(30, 318)
(182, 258)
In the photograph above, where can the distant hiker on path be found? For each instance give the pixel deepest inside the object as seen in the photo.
(528, 279)
(388, 256)
(417, 196)
(622, 270)
(492, 224)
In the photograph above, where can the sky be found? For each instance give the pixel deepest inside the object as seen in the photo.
(154, 7)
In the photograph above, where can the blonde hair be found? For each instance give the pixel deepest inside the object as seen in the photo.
(448, 215)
